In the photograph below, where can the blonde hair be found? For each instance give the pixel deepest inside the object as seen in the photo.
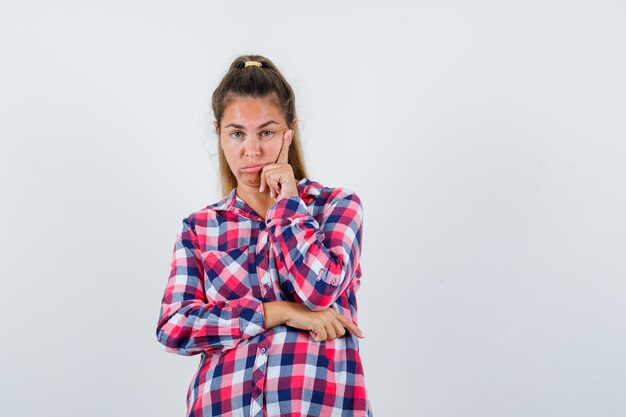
(255, 81)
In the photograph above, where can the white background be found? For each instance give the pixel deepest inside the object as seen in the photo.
(486, 140)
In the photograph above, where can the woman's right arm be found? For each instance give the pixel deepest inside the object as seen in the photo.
(188, 322)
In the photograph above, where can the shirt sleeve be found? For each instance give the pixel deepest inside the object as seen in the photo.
(189, 323)
(320, 260)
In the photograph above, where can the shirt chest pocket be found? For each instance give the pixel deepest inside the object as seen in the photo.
(227, 273)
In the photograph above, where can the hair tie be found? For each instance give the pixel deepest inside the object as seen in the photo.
(257, 63)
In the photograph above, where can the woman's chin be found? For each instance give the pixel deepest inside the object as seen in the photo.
(250, 180)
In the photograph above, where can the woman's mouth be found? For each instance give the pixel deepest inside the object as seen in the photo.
(252, 169)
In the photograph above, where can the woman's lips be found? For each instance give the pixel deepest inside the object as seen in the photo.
(252, 170)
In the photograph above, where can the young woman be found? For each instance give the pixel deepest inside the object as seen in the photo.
(263, 282)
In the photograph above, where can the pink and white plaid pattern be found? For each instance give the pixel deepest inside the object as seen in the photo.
(227, 261)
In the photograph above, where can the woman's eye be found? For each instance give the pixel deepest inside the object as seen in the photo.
(265, 135)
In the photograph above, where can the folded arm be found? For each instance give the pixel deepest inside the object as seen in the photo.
(188, 322)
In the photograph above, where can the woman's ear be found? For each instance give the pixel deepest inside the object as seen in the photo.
(215, 126)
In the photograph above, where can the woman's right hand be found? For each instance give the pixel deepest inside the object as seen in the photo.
(322, 325)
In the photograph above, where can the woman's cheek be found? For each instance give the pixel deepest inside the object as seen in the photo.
(273, 150)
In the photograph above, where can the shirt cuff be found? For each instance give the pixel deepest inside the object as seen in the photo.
(286, 207)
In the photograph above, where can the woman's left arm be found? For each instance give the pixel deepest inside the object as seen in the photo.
(322, 260)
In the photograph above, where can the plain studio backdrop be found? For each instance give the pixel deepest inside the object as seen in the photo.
(486, 140)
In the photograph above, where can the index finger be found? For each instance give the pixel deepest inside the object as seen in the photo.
(349, 324)
(283, 156)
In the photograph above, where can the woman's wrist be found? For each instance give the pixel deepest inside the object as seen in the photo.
(276, 312)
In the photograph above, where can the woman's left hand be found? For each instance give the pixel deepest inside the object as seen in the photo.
(278, 177)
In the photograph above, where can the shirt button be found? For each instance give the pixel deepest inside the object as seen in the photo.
(267, 285)
(262, 350)
(257, 391)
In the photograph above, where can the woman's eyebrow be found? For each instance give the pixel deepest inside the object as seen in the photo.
(260, 126)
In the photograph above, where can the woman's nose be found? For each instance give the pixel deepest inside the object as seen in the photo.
(252, 146)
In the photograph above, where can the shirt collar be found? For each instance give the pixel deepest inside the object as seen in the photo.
(232, 202)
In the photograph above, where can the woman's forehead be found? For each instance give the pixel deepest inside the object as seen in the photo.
(251, 112)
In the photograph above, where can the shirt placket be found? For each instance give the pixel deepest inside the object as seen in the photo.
(264, 285)
(264, 270)
(258, 377)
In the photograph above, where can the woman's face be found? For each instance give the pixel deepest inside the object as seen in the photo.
(251, 134)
